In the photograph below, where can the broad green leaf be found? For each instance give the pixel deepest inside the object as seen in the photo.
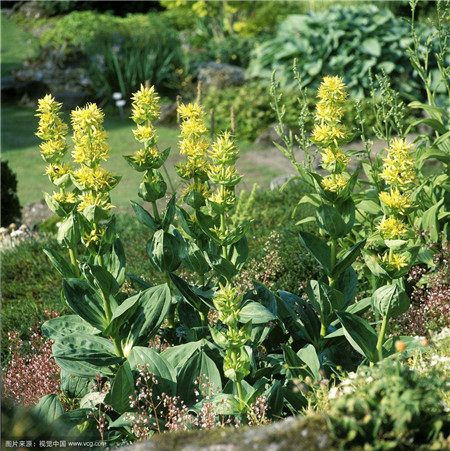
(74, 386)
(347, 284)
(186, 291)
(152, 308)
(144, 216)
(85, 302)
(168, 214)
(295, 367)
(85, 355)
(49, 408)
(318, 249)
(348, 258)
(325, 299)
(308, 355)
(100, 279)
(159, 366)
(371, 46)
(330, 221)
(194, 259)
(199, 365)
(275, 400)
(178, 355)
(66, 325)
(239, 253)
(255, 312)
(360, 334)
(164, 251)
(123, 386)
(69, 231)
(390, 300)
(60, 263)
(430, 222)
(222, 266)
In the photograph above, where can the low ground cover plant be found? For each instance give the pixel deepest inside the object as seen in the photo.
(197, 344)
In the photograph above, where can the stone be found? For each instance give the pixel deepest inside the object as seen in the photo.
(270, 135)
(308, 433)
(35, 212)
(219, 76)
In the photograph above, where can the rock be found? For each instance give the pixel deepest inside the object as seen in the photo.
(33, 10)
(35, 212)
(168, 114)
(308, 433)
(269, 135)
(219, 76)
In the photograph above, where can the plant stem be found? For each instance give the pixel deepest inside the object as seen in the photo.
(240, 394)
(381, 337)
(73, 260)
(155, 211)
(323, 330)
(332, 280)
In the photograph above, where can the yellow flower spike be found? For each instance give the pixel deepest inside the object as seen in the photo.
(330, 155)
(394, 261)
(224, 152)
(144, 133)
(145, 106)
(392, 229)
(333, 89)
(145, 156)
(327, 112)
(55, 171)
(95, 179)
(398, 166)
(227, 300)
(334, 184)
(395, 200)
(326, 133)
(87, 118)
(90, 199)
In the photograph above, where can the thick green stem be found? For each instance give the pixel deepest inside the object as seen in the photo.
(332, 280)
(73, 260)
(155, 211)
(323, 330)
(240, 394)
(381, 337)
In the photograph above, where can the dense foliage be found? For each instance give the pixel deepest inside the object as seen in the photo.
(347, 41)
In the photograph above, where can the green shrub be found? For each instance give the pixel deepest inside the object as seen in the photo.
(10, 210)
(391, 406)
(122, 52)
(341, 41)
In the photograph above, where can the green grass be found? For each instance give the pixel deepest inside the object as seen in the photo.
(20, 147)
(16, 45)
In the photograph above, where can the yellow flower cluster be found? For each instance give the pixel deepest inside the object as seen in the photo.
(55, 171)
(329, 133)
(145, 107)
(51, 129)
(227, 301)
(392, 229)
(95, 179)
(222, 170)
(394, 261)
(89, 137)
(395, 200)
(194, 142)
(399, 172)
(145, 110)
(398, 166)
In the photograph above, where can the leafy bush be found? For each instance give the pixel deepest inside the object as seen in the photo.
(391, 406)
(340, 41)
(122, 52)
(10, 210)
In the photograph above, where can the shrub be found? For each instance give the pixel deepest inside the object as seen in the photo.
(10, 210)
(391, 406)
(340, 41)
(122, 52)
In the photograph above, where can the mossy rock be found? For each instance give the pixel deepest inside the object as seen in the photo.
(308, 433)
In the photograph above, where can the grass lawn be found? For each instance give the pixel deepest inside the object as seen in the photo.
(20, 147)
(16, 45)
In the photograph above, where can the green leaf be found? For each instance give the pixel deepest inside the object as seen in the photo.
(275, 400)
(177, 356)
(85, 355)
(194, 259)
(74, 386)
(390, 300)
(123, 386)
(168, 214)
(144, 217)
(158, 365)
(99, 278)
(85, 302)
(236, 235)
(308, 355)
(318, 249)
(347, 284)
(295, 367)
(66, 325)
(371, 46)
(49, 408)
(348, 258)
(222, 266)
(255, 312)
(330, 221)
(152, 187)
(115, 262)
(198, 365)
(60, 263)
(152, 308)
(238, 253)
(122, 314)
(164, 251)
(359, 334)
(325, 300)
(186, 291)
(430, 222)
(69, 231)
